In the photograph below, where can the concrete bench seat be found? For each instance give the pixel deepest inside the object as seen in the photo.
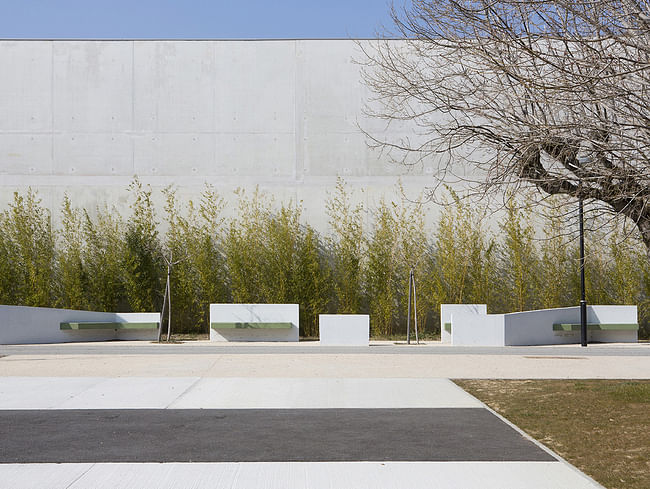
(251, 325)
(254, 322)
(106, 325)
(595, 327)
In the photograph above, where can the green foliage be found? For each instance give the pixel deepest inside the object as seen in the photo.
(558, 265)
(463, 267)
(142, 261)
(72, 283)
(271, 258)
(264, 254)
(382, 272)
(27, 253)
(520, 260)
(102, 259)
(347, 249)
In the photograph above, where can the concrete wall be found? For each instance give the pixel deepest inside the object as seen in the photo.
(472, 326)
(344, 329)
(536, 327)
(245, 313)
(477, 329)
(447, 310)
(84, 116)
(22, 324)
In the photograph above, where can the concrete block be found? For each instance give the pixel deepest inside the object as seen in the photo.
(344, 329)
(254, 313)
(446, 311)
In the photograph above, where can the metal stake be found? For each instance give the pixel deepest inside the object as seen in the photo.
(415, 310)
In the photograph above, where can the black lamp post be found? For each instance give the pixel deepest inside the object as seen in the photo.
(583, 302)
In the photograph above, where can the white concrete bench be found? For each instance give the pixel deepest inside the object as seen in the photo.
(23, 324)
(254, 322)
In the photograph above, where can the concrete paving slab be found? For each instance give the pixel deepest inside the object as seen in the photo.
(41, 392)
(282, 393)
(130, 393)
(299, 475)
(50, 476)
(456, 366)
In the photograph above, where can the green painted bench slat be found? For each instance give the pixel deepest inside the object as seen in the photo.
(251, 325)
(597, 327)
(98, 325)
(448, 327)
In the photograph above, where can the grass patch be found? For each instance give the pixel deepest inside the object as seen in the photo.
(600, 426)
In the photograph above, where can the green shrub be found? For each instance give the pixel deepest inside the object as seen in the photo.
(102, 256)
(143, 266)
(346, 245)
(27, 253)
(72, 283)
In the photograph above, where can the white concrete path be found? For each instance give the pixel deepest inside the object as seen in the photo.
(228, 393)
(297, 475)
(243, 381)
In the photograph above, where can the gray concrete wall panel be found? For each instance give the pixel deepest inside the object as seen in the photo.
(83, 117)
(92, 86)
(26, 86)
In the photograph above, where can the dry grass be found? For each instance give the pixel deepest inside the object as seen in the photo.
(600, 426)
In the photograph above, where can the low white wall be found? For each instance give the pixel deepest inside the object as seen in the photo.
(477, 329)
(344, 329)
(446, 310)
(23, 324)
(536, 327)
(250, 313)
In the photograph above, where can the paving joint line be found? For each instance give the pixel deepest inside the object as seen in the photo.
(81, 475)
(198, 379)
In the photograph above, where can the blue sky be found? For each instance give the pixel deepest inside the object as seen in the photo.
(216, 19)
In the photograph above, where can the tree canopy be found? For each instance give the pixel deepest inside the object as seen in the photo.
(554, 95)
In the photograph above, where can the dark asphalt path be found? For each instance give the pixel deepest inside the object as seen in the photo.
(116, 348)
(261, 435)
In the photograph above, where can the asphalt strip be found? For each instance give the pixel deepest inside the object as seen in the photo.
(260, 435)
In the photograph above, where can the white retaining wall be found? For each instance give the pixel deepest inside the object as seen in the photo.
(344, 329)
(472, 326)
(23, 324)
(477, 329)
(536, 327)
(247, 313)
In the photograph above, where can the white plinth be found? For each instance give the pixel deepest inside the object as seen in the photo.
(344, 329)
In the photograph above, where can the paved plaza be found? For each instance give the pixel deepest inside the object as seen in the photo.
(132, 415)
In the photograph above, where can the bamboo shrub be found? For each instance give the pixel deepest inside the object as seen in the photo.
(556, 286)
(28, 252)
(179, 246)
(72, 283)
(520, 260)
(102, 255)
(207, 255)
(626, 272)
(346, 243)
(313, 281)
(244, 248)
(382, 272)
(414, 254)
(142, 262)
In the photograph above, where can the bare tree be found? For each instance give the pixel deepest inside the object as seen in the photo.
(553, 95)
